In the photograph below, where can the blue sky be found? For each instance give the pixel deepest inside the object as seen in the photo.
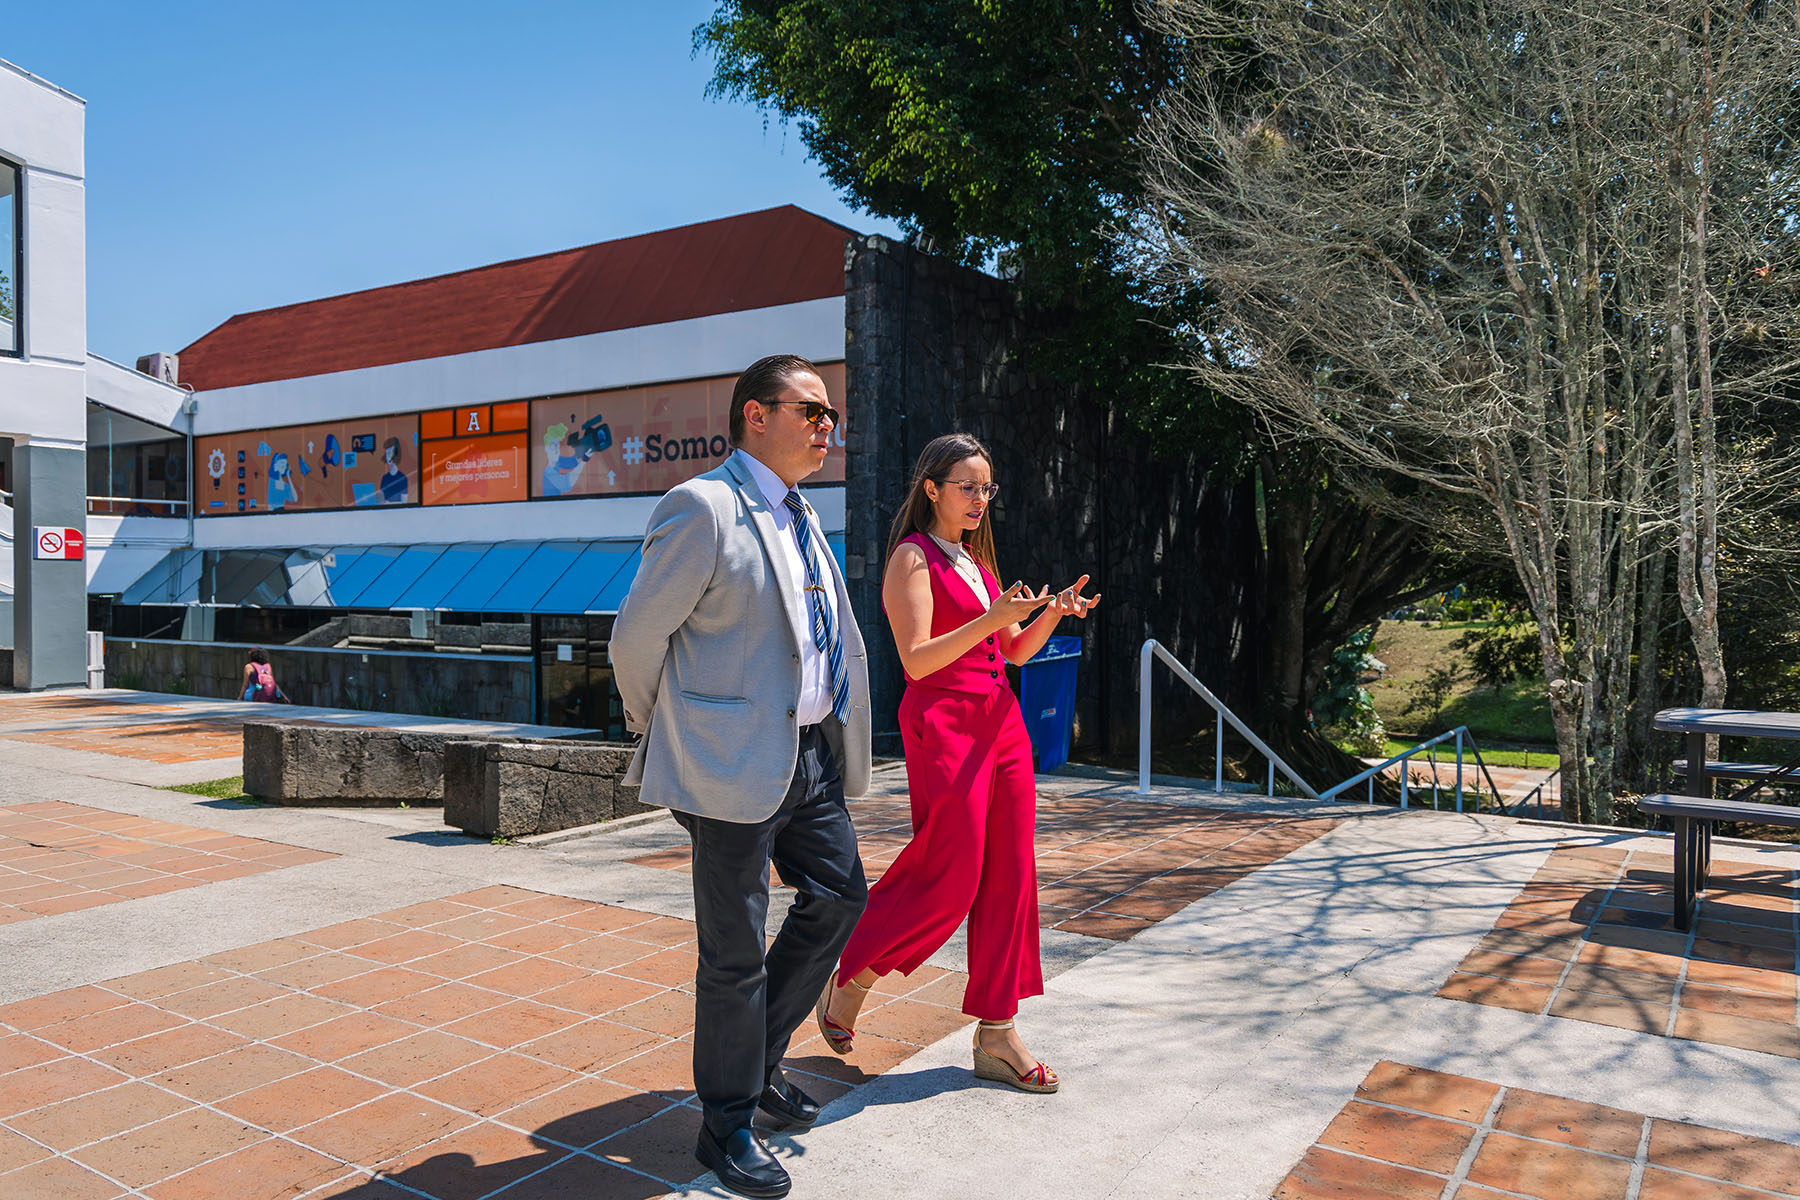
(241, 156)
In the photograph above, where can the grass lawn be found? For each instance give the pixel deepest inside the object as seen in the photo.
(217, 789)
(1536, 759)
(1516, 715)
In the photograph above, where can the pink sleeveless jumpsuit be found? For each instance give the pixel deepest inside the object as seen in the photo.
(974, 812)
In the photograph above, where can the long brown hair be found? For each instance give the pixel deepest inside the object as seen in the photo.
(915, 515)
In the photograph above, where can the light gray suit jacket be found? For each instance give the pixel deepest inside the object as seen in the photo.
(706, 655)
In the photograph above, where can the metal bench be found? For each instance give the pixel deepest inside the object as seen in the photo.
(1693, 818)
(1736, 770)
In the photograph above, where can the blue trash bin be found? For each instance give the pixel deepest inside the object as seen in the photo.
(1047, 699)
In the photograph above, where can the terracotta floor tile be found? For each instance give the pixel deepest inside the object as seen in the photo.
(430, 912)
(22, 1050)
(601, 953)
(590, 1179)
(160, 1051)
(513, 1024)
(280, 1016)
(301, 1099)
(1770, 1037)
(584, 1112)
(59, 1007)
(1629, 958)
(667, 1070)
(213, 1079)
(1408, 1139)
(1697, 1149)
(109, 1027)
(670, 968)
(1524, 968)
(1633, 985)
(1499, 993)
(1572, 1122)
(17, 1151)
(1551, 1172)
(481, 925)
(377, 1131)
(97, 1115)
(341, 1037)
(269, 1170)
(465, 960)
(262, 955)
(311, 974)
(528, 976)
(1328, 1175)
(597, 994)
(660, 931)
(911, 1021)
(151, 1153)
(1762, 957)
(871, 1056)
(164, 981)
(348, 934)
(471, 1163)
(377, 987)
(1737, 1003)
(601, 918)
(538, 939)
(592, 1045)
(1617, 1011)
(46, 1083)
(442, 1004)
(1427, 1091)
(1149, 908)
(410, 1060)
(662, 1147)
(548, 908)
(1781, 939)
(1114, 928)
(211, 999)
(60, 1179)
(68, 904)
(410, 944)
(1514, 941)
(500, 1082)
(668, 1013)
(1667, 1185)
(1748, 979)
(496, 895)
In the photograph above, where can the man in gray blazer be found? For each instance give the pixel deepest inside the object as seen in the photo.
(740, 663)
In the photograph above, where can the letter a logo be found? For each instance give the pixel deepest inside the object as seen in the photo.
(474, 421)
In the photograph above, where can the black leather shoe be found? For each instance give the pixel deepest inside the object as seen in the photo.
(788, 1104)
(743, 1164)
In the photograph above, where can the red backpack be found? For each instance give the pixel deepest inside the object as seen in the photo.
(264, 685)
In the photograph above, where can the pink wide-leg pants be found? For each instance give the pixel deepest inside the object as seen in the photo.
(974, 812)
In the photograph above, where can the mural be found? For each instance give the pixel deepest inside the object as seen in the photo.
(342, 464)
(615, 443)
(646, 440)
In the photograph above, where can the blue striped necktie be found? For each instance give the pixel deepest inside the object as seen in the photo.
(824, 625)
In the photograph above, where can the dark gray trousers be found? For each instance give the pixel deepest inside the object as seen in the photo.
(749, 1003)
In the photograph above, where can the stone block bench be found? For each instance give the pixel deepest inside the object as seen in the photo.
(514, 789)
(1693, 818)
(343, 765)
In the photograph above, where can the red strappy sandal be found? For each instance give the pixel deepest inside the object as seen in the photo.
(989, 1066)
(840, 1038)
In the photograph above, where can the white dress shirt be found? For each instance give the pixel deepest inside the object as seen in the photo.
(814, 704)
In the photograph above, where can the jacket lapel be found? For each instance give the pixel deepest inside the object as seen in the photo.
(762, 519)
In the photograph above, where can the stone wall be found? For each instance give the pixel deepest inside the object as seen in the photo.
(343, 765)
(935, 348)
(514, 789)
(472, 687)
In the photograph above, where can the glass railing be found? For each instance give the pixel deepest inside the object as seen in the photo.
(131, 506)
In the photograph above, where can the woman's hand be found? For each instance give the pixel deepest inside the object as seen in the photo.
(1015, 604)
(1070, 602)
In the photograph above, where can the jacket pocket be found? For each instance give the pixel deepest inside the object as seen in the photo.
(704, 698)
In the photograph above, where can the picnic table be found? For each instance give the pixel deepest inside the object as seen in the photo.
(1693, 814)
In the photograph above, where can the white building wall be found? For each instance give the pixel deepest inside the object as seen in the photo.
(694, 349)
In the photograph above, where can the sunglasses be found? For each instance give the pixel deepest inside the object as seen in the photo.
(814, 411)
(971, 489)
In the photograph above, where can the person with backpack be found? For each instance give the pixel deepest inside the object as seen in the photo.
(259, 678)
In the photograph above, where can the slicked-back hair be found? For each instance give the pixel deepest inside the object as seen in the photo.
(762, 381)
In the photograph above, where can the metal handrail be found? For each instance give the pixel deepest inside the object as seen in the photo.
(1152, 647)
(1536, 792)
(1459, 733)
(175, 507)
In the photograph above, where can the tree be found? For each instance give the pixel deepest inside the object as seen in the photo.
(1525, 252)
(1009, 134)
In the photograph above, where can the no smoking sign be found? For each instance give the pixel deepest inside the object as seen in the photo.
(55, 541)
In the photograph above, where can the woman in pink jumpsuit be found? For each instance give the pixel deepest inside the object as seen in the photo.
(968, 766)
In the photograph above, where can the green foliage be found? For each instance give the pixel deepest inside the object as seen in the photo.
(1503, 652)
(6, 296)
(1432, 691)
(217, 789)
(1343, 709)
(996, 133)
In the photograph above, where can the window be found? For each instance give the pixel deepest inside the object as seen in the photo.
(11, 223)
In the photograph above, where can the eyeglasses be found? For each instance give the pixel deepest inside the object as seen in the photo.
(971, 489)
(815, 412)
